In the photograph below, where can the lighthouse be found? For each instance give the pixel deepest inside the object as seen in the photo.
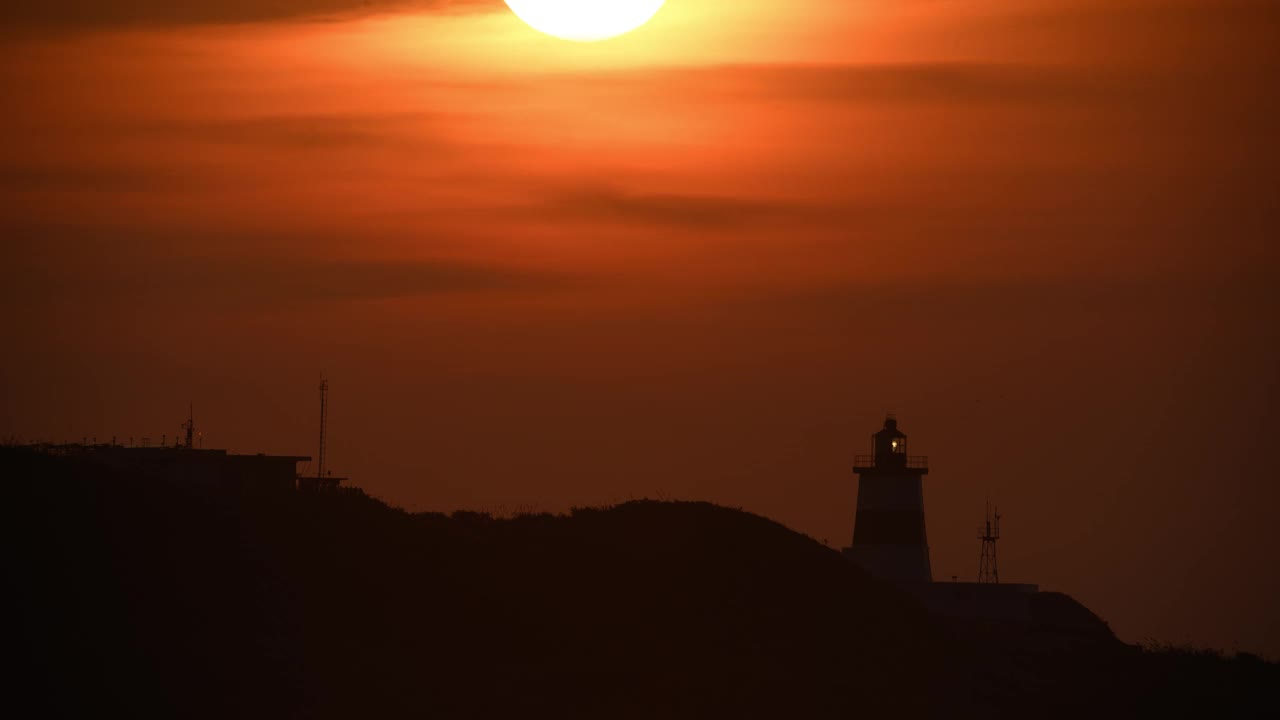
(888, 531)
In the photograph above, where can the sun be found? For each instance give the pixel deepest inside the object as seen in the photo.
(585, 20)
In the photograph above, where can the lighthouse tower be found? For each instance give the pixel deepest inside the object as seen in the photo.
(888, 531)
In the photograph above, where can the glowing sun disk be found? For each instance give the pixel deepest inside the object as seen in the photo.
(585, 20)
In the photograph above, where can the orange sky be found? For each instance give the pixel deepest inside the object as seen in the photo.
(700, 261)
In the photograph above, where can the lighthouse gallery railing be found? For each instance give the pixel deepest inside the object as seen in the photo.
(918, 462)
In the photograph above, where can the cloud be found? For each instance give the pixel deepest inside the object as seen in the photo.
(94, 13)
(63, 176)
(175, 167)
(670, 209)
(331, 280)
(990, 83)
(305, 131)
(87, 268)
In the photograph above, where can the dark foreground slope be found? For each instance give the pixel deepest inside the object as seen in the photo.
(149, 599)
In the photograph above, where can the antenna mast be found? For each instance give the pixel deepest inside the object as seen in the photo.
(324, 419)
(190, 425)
(988, 570)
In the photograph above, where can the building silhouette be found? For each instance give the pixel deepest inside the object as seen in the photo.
(191, 464)
(194, 467)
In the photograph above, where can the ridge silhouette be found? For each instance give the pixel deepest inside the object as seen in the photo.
(143, 598)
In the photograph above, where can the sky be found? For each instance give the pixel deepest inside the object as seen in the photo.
(698, 261)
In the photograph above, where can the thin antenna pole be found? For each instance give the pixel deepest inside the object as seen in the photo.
(324, 418)
(190, 425)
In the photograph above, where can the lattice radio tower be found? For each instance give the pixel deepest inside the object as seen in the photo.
(988, 570)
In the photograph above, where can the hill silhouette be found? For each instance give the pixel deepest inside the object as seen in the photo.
(145, 598)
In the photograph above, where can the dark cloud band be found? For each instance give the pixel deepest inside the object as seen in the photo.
(95, 13)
